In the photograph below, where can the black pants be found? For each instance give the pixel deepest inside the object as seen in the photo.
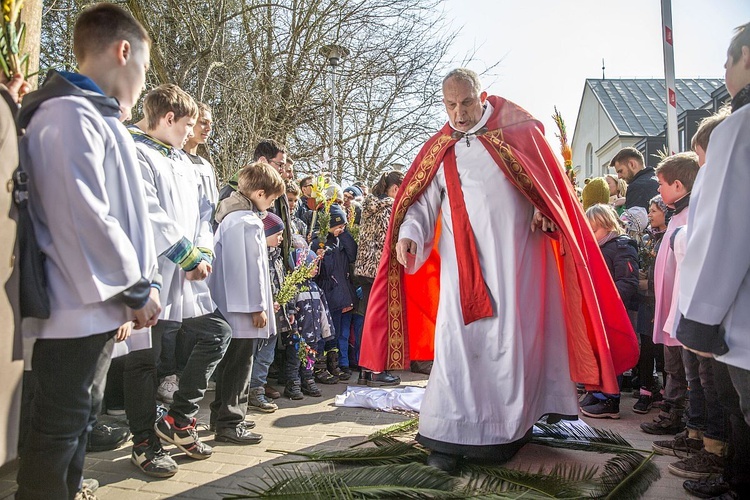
(213, 335)
(232, 376)
(734, 395)
(62, 414)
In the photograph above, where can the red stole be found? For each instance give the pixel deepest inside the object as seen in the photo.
(400, 319)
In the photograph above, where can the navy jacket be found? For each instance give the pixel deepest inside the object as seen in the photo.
(621, 256)
(334, 272)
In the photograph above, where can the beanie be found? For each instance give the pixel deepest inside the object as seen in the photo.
(300, 256)
(596, 191)
(272, 224)
(338, 216)
(354, 190)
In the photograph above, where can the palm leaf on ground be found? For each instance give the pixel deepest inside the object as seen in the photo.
(626, 476)
(387, 451)
(563, 481)
(406, 427)
(582, 438)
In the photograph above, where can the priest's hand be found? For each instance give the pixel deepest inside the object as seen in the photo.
(404, 248)
(539, 220)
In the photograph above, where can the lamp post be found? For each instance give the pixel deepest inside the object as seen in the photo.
(334, 54)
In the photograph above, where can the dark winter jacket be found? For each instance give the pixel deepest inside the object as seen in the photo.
(334, 277)
(642, 188)
(621, 256)
(313, 320)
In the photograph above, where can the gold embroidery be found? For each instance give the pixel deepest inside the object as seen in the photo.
(423, 174)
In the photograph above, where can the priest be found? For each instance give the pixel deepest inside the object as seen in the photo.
(490, 269)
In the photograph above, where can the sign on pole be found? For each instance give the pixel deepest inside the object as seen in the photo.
(667, 42)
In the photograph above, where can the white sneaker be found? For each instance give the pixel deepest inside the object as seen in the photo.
(169, 385)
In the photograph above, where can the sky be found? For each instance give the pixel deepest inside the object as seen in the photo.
(547, 48)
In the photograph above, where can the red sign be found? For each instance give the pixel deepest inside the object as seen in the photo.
(672, 98)
(668, 34)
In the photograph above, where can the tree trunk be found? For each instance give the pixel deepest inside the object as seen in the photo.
(31, 14)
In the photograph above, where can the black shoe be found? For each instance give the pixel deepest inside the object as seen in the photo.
(607, 408)
(309, 388)
(152, 459)
(381, 379)
(423, 367)
(106, 437)
(665, 423)
(293, 390)
(323, 376)
(185, 438)
(346, 373)
(238, 435)
(707, 488)
(332, 363)
(588, 400)
(443, 461)
(644, 404)
(681, 446)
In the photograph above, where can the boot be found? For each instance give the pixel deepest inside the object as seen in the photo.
(332, 363)
(292, 390)
(666, 423)
(310, 389)
(321, 373)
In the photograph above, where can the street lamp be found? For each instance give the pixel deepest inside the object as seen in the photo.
(334, 54)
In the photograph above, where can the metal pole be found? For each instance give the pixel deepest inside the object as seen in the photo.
(333, 116)
(673, 143)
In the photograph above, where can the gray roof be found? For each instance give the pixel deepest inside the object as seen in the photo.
(638, 107)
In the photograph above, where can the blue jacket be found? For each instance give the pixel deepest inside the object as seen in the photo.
(334, 276)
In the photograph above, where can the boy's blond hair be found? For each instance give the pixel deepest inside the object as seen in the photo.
(706, 126)
(260, 175)
(166, 98)
(681, 167)
(605, 217)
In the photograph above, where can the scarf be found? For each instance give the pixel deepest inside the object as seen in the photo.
(742, 98)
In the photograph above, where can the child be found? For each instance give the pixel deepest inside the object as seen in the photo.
(313, 323)
(184, 243)
(621, 256)
(338, 253)
(676, 175)
(651, 355)
(90, 218)
(241, 286)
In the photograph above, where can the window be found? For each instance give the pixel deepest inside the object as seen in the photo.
(589, 161)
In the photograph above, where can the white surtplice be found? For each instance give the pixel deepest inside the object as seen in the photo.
(494, 378)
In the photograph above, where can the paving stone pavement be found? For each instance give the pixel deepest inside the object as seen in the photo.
(315, 424)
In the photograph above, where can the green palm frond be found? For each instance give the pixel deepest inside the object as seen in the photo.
(410, 481)
(563, 481)
(387, 452)
(399, 429)
(582, 438)
(626, 476)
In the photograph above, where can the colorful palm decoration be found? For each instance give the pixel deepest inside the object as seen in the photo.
(12, 40)
(565, 149)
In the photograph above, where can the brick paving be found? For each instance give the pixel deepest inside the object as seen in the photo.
(310, 424)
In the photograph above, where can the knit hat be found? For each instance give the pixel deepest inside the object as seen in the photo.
(300, 256)
(354, 190)
(635, 220)
(338, 216)
(596, 191)
(272, 224)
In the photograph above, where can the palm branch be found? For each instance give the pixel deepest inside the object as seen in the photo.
(387, 451)
(399, 429)
(582, 438)
(627, 475)
(409, 481)
(563, 481)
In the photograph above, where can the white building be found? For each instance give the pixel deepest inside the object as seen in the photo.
(617, 113)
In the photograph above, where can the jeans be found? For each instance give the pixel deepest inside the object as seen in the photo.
(176, 347)
(262, 359)
(292, 363)
(652, 356)
(230, 403)
(350, 321)
(736, 400)
(212, 333)
(63, 412)
(696, 409)
(675, 390)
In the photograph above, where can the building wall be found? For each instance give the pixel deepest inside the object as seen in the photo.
(594, 128)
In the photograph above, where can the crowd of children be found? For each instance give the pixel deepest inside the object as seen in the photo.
(143, 251)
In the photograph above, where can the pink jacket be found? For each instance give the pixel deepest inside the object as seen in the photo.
(666, 279)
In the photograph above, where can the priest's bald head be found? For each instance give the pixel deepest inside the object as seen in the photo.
(463, 98)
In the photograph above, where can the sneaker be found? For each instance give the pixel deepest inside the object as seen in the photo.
(169, 385)
(644, 404)
(346, 373)
(710, 488)
(90, 483)
(665, 423)
(115, 412)
(323, 376)
(151, 458)
(607, 408)
(309, 388)
(85, 494)
(185, 438)
(701, 465)
(256, 399)
(238, 435)
(104, 437)
(589, 399)
(161, 411)
(681, 446)
(293, 390)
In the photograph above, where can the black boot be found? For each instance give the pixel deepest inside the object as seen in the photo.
(309, 388)
(321, 373)
(292, 390)
(443, 461)
(332, 363)
(666, 422)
